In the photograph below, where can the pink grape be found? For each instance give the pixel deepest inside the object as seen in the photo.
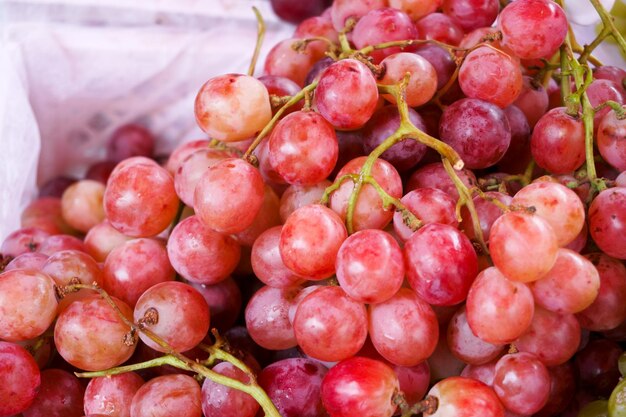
(430, 205)
(296, 196)
(284, 61)
(90, 335)
(465, 345)
(380, 26)
(370, 266)
(114, 392)
(558, 142)
(27, 239)
(66, 265)
(200, 254)
(329, 325)
(441, 61)
(132, 268)
(232, 107)
(45, 213)
(316, 26)
(544, 19)
(517, 157)
(298, 299)
(219, 400)
(372, 385)
(607, 221)
(423, 78)
(81, 204)
(414, 381)
(342, 10)
(60, 395)
(472, 14)
(182, 151)
(28, 304)
(267, 318)
(611, 142)
(557, 204)
(310, 240)
(302, 378)
(102, 239)
(522, 383)
(484, 373)
(267, 263)
(441, 264)
(166, 396)
(600, 91)
(130, 140)
(439, 27)
(442, 362)
(224, 301)
(404, 328)
(182, 315)
(478, 130)
(498, 310)
(134, 160)
(465, 397)
(552, 337)
(21, 379)
(570, 286)
(491, 75)
(369, 212)
(416, 9)
(607, 310)
(28, 260)
(267, 217)
(140, 200)
(229, 195)
(303, 148)
(516, 233)
(346, 95)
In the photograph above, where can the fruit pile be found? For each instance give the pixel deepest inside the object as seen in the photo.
(421, 204)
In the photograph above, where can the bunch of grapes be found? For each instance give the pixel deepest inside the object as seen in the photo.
(421, 204)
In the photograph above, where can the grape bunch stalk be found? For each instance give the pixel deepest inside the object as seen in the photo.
(422, 205)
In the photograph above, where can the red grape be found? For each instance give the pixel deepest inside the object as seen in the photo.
(60, 395)
(472, 14)
(182, 151)
(465, 345)
(465, 397)
(284, 61)
(430, 205)
(166, 396)
(267, 318)
(219, 400)
(224, 301)
(439, 27)
(267, 263)
(522, 383)
(296, 196)
(607, 221)
(342, 10)
(102, 239)
(21, 379)
(128, 141)
(112, 395)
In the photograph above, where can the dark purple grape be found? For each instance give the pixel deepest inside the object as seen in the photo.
(296, 11)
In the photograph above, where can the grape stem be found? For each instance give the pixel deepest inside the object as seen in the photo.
(620, 112)
(608, 23)
(177, 359)
(259, 40)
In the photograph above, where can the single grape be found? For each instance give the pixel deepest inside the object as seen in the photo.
(342, 10)
(403, 329)
(24, 240)
(284, 61)
(429, 205)
(57, 243)
(533, 100)
(370, 266)
(182, 151)
(522, 383)
(465, 345)
(130, 140)
(478, 130)
(316, 26)
(81, 204)
(498, 310)
(28, 304)
(45, 213)
(28, 260)
(310, 240)
(56, 186)
(607, 221)
(491, 75)
(488, 212)
(329, 325)
(100, 171)
(515, 233)
(562, 389)
(359, 386)
(113, 392)
(380, 26)
(533, 28)
(483, 373)
(224, 301)
(558, 142)
(140, 200)
(232, 107)
(267, 317)
(422, 83)
(219, 400)
(441, 61)
(90, 335)
(439, 27)
(617, 404)
(302, 379)
(60, 395)
(21, 379)
(296, 196)
(434, 175)
(596, 365)
(294, 12)
(182, 315)
(229, 195)
(416, 9)
(267, 263)
(346, 95)
(465, 397)
(200, 254)
(441, 264)
(166, 396)
(64, 266)
(472, 14)
(101, 239)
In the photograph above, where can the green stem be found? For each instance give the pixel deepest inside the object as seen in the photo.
(620, 112)
(268, 128)
(259, 40)
(607, 22)
(153, 363)
(586, 53)
(335, 186)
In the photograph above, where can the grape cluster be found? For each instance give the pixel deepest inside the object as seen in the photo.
(421, 204)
